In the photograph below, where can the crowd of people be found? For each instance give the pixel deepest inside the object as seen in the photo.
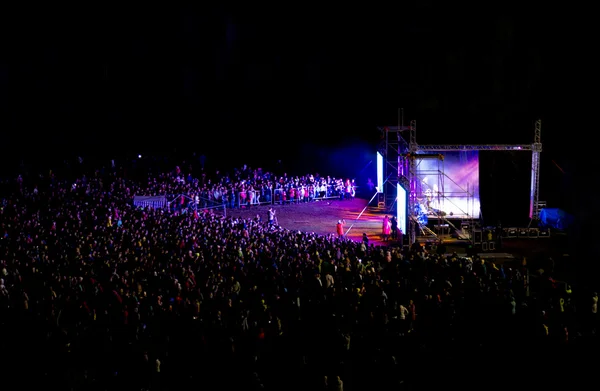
(246, 187)
(98, 294)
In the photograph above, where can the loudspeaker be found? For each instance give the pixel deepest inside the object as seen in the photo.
(534, 232)
(484, 246)
(544, 233)
(477, 237)
(491, 246)
(523, 232)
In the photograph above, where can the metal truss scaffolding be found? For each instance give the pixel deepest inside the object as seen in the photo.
(402, 165)
(392, 149)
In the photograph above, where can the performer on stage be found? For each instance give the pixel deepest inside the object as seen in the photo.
(428, 199)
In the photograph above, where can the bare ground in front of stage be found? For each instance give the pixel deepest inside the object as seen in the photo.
(321, 217)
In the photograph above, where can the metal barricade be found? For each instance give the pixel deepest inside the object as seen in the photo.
(248, 198)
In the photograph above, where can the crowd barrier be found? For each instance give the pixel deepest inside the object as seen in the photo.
(281, 196)
(155, 202)
(242, 199)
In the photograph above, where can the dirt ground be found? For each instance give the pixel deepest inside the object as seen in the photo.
(321, 217)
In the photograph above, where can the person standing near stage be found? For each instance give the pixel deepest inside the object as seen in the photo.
(339, 228)
(271, 216)
(386, 228)
(394, 227)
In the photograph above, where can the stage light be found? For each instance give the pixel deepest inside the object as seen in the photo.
(401, 209)
(379, 172)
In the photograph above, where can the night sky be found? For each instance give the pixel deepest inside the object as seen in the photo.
(290, 83)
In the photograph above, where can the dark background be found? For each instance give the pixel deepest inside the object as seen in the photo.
(306, 85)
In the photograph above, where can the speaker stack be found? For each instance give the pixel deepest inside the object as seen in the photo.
(525, 233)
